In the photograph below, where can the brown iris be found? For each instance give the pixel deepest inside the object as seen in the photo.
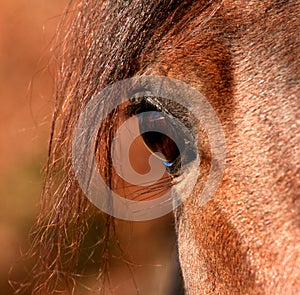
(158, 142)
(161, 134)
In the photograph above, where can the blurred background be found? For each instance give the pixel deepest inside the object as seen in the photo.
(26, 30)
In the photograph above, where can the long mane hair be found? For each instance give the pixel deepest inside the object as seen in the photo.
(98, 43)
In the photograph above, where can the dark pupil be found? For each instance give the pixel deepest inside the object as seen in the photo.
(158, 141)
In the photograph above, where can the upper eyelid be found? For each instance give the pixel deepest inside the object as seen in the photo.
(171, 110)
(141, 104)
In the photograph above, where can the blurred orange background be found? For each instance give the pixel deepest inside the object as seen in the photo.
(26, 30)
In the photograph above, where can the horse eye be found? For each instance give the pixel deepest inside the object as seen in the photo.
(164, 135)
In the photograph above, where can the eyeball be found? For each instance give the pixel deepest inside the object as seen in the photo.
(165, 132)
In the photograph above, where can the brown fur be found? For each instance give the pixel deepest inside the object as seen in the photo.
(252, 245)
(244, 57)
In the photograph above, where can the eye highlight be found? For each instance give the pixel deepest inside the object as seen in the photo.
(157, 141)
(166, 145)
(165, 135)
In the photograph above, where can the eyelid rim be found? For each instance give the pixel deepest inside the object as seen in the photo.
(143, 103)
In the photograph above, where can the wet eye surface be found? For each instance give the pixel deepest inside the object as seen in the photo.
(165, 135)
(157, 141)
(168, 144)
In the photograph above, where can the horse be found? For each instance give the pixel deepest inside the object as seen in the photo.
(243, 56)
